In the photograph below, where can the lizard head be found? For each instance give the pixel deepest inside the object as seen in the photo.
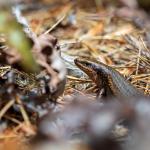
(88, 66)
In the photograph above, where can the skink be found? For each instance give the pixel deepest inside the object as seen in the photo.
(108, 80)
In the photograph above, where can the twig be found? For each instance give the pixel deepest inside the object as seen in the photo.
(12, 119)
(138, 59)
(147, 88)
(56, 24)
(6, 107)
(23, 112)
(140, 76)
(27, 129)
(144, 45)
(77, 79)
(2, 137)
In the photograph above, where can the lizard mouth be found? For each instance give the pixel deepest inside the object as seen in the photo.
(85, 66)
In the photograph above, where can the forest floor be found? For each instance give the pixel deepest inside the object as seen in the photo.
(115, 35)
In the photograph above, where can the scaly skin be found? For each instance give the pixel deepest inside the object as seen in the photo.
(107, 78)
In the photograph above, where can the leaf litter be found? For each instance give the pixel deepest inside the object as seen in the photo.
(69, 29)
